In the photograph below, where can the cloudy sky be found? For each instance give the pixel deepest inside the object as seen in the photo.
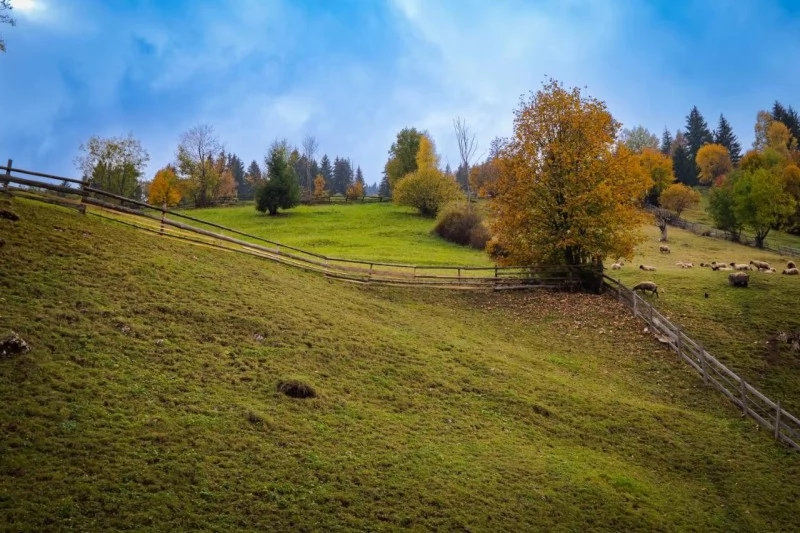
(354, 72)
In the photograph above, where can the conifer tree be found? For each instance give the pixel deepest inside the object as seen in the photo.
(789, 117)
(682, 166)
(666, 142)
(724, 135)
(326, 169)
(697, 134)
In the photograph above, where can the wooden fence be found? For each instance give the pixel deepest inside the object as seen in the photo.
(161, 220)
(783, 425)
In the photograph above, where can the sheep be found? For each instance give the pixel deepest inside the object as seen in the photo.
(664, 249)
(760, 265)
(791, 264)
(646, 286)
(740, 266)
(720, 266)
(705, 264)
(688, 265)
(739, 279)
(791, 272)
(647, 268)
(617, 266)
(770, 271)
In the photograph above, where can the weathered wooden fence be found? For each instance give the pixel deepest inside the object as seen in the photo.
(783, 425)
(162, 221)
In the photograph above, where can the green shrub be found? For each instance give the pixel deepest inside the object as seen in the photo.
(456, 223)
(427, 190)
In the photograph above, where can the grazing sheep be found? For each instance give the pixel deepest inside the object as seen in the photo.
(705, 264)
(791, 264)
(664, 249)
(739, 279)
(647, 268)
(770, 271)
(720, 266)
(688, 265)
(646, 286)
(617, 266)
(791, 272)
(740, 266)
(761, 265)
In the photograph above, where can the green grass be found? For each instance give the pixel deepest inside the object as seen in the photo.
(148, 403)
(732, 323)
(372, 232)
(699, 214)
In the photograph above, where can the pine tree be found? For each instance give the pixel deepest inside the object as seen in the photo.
(666, 142)
(682, 166)
(724, 135)
(385, 189)
(697, 134)
(462, 177)
(326, 169)
(244, 190)
(281, 190)
(360, 178)
(789, 117)
(342, 175)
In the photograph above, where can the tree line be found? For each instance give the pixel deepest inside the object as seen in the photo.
(205, 174)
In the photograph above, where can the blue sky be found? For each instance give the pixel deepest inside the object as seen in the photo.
(354, 72)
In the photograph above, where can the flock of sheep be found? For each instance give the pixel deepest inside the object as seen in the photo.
(739, 278)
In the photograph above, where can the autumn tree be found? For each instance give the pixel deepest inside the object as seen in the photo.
(724, 135)
(568, 192)
(780, 139)
(760, 140)
(402, 155)
(678, 197)
(196, 153)
(114, 164)
(483, 178)
(280, 190)
(355, 191)
(467, 145)
(320, 188)
(226, 185)
(426, 189)
(788, 117)
(638, 139)
(165, 188)
(658, 167)
(714, 162)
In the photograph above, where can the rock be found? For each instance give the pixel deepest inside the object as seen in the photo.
(13, 345)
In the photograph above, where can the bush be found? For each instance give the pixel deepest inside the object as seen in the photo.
(456, 224)
(427, 190)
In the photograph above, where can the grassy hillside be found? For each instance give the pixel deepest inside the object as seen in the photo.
(148, 402)
(373, 231)
(732, 323)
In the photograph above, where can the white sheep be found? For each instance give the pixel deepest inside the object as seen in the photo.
(791, 272)
(664, 249)
(647, 268)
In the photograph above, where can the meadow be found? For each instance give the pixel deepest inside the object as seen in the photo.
(373, 232)
(148, 401)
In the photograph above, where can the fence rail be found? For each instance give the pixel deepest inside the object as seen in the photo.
(768, 413)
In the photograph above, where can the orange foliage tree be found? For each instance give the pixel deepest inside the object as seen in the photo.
(428, 188)
(659, 168)
(320, 190)
(714, 162)
(165, 188)
(567, 191)
(355, 191)
(483, 178)
(678, 197)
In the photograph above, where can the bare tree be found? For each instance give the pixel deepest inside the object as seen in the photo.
(466, 149)
(196, 151)
(5, 18)
(309, 149)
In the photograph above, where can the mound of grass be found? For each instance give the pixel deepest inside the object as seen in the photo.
(732, 323)
(372, 232)
(148, 402)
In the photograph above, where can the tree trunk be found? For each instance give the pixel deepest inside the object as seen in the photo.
(663, 229)
(273, 211)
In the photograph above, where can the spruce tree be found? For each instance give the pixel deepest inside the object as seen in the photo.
(244, 190)
(697, 134)
(666, 142)
(462, 177)
(384, 189)
(682, 166)
(724, 135)
(326, 169)
(281, 190)
(360, 178)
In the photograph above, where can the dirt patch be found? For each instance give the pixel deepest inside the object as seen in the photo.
(296, 389)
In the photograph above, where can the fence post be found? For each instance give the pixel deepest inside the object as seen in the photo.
(635, 315)
(459, 274)
(704, 364)
(415, 272)
(163, 215)
(744, 395)
(495, 271)
(370, 271)
(8, 173)
(778, 420)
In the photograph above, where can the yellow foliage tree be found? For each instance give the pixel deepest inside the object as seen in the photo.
(658, 167)
(483, 178)
(427, 189)
(165, 188)
(355, 191)
(567, 192)
(780, 139)
(678, 197)
(320, 191)
(714, 162)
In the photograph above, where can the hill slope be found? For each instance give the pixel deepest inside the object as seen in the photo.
(148, 401)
